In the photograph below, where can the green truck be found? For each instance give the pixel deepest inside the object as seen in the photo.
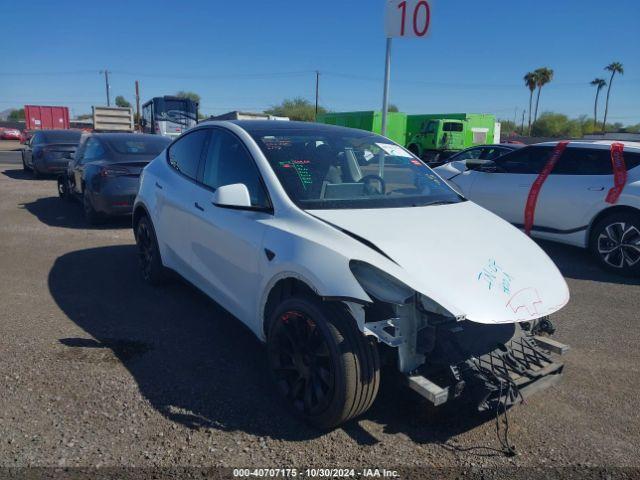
(371, 122)
(432, 137)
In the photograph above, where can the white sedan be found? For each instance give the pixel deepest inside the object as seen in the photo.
(577, 204)
(340, 249)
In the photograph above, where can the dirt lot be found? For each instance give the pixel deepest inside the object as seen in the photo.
(99, 369)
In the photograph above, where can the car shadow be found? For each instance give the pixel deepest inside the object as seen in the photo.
(578, 264)
(20, 174)
(195, 363)
(56, 212)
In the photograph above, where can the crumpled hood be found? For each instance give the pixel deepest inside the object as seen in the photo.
(463, 257)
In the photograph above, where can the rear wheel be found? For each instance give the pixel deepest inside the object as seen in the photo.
(323, 366)
(415, 150)
(615, 243)
(151, 268)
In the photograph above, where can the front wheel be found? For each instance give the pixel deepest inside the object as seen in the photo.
(615, 243)
(323, 366)
(63, 188)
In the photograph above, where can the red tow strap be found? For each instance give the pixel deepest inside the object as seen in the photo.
(532, 199)
(619, 173)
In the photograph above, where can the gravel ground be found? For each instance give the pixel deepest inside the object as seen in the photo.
(99, 369)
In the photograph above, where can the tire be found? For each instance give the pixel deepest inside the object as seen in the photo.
(415, 150)
(90, 214)
(149, 260)
(615, 243)
(63, 189)
(315, 350)
(24, 164)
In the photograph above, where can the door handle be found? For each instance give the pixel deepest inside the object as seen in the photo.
(159, 186)
(197, 205)
(595, 189)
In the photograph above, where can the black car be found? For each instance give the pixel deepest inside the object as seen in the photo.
(484, 152)
(48, 151)
(105, 171)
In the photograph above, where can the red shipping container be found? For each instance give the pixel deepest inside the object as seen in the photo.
(46, 118)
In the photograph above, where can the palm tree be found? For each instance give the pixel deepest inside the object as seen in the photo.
(599, 83)
(530, 82)
(615, 67)
(543, 76)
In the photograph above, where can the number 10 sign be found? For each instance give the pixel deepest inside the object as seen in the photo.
(407, 18)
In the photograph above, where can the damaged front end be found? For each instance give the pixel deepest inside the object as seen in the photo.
(444, 356)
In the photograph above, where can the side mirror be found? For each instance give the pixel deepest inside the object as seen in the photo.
(481, 165)
(232, 196)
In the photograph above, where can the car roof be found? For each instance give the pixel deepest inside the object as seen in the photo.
(275, 126)
(599, 144)
(116, 135)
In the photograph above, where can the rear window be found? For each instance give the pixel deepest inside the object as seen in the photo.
(60, 136)
(139, 145)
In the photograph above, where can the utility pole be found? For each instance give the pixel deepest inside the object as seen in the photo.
(515, 119)
(522, 123)
(139, 124)
(385, 94)
(317, 91)
(106, 83)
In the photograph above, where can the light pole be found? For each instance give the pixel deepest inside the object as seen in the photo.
(385, 92)
(106, 83)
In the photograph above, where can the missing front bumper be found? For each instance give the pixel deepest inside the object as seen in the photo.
(507, 374)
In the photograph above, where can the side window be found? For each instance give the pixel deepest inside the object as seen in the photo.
(631, 160)
(185, 153)
(529, 160)
(77, 158)
(584, 161)
(93, 150)
(491, 153)
(227, 162)
(469, 154)
(452, 127)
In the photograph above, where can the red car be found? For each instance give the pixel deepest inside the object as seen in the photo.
(10, 134)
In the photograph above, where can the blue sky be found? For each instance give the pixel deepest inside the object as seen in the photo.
(250, 54)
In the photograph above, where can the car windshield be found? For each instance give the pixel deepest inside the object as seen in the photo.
(150, 145)
(340, 169)
(62, 136)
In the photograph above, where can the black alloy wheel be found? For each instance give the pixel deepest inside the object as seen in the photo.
(302, 363)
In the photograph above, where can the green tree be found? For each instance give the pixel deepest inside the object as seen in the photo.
(543, 76)
(296, 109)
(392, 108)
(600, 83)
(16, 115)
(614, 67)
(190, 95)
(530, 81)
(556, 125)
(122, 102)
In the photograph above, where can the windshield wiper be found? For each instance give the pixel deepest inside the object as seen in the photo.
(441, 202)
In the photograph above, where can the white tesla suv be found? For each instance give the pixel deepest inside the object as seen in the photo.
(341, 250)
(587, 198)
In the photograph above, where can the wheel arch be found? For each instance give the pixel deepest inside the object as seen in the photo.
(139, 211)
